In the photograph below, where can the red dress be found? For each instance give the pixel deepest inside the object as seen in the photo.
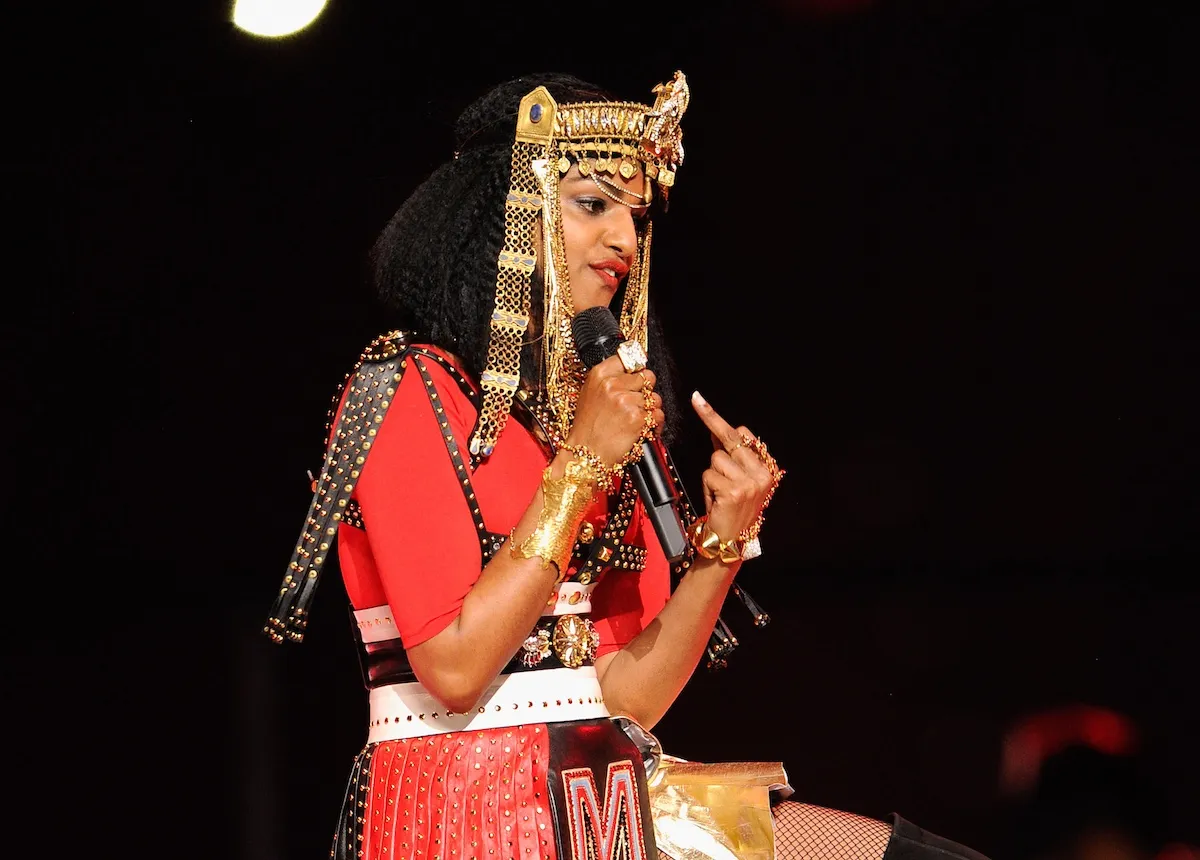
(539, 770)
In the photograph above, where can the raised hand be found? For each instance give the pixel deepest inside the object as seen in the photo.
(740, 479)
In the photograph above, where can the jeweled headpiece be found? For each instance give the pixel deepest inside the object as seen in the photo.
(603, 138)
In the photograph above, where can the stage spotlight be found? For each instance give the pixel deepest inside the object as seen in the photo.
(275, 17)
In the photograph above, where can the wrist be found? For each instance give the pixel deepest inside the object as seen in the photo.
(565, 501)
(710, 545)
(604, 475)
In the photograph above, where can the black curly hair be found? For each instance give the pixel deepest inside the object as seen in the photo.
(433, 266)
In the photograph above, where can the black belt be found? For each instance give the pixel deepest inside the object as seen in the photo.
(556, 642)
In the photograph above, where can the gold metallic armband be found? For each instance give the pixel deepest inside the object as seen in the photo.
(709, 544)
(565, 501)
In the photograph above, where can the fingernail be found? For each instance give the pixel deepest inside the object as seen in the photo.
(698, 399)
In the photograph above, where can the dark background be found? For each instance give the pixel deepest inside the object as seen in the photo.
(939, 255)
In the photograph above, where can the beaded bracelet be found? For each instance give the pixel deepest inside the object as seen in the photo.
(605, 475)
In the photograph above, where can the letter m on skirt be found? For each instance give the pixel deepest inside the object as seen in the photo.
(612, 831)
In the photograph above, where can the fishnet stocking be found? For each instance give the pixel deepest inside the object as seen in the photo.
(816, 833)
(806, 832)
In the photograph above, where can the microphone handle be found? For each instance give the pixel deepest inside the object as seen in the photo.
(659, 500)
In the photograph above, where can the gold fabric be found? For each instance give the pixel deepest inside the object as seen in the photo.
(718, 811)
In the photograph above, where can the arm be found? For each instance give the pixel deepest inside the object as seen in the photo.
(647, 675)
(457, 664)
(429, 546)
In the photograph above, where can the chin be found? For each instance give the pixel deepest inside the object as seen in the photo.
(594, 300)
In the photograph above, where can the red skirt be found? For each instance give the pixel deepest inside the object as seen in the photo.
(532, 792)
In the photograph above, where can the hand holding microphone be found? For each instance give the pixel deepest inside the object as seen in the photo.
(617, 408)
(613, 409)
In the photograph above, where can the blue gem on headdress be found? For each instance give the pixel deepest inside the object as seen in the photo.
(535, 113)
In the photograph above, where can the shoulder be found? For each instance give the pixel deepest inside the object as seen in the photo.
(398, 364)
(389, 345)
(395, 350)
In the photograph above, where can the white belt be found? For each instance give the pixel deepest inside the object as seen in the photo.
(375, 623)
(539, 696)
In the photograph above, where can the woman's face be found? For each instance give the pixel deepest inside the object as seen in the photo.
(599, 235)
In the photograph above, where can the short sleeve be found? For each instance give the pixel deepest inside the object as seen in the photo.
(418, 526)
(420, 551)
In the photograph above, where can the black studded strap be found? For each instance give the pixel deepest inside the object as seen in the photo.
(351, 822)
(372, 387)
(608, 548)
(489, 541)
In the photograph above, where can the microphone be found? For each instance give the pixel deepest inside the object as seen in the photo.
(597, 336)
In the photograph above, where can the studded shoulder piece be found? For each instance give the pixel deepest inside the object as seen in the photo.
(489, 541)
(372, 385)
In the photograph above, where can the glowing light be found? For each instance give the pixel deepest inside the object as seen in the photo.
(275, 17)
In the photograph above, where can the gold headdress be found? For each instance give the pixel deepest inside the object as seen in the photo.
(604, 138)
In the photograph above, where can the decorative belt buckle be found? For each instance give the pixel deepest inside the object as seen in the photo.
(535, 648)
(574, 640)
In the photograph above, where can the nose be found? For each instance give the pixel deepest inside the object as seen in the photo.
(621, 232)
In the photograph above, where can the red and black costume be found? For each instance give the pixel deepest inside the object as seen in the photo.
(537, 768)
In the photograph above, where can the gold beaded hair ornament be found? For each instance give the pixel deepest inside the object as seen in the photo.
(603, 139)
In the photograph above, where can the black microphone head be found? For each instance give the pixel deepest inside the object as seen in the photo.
(597, 335)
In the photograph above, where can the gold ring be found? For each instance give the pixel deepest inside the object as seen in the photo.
(746, 439)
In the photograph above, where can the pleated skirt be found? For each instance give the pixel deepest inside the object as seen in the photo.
(541, 791)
